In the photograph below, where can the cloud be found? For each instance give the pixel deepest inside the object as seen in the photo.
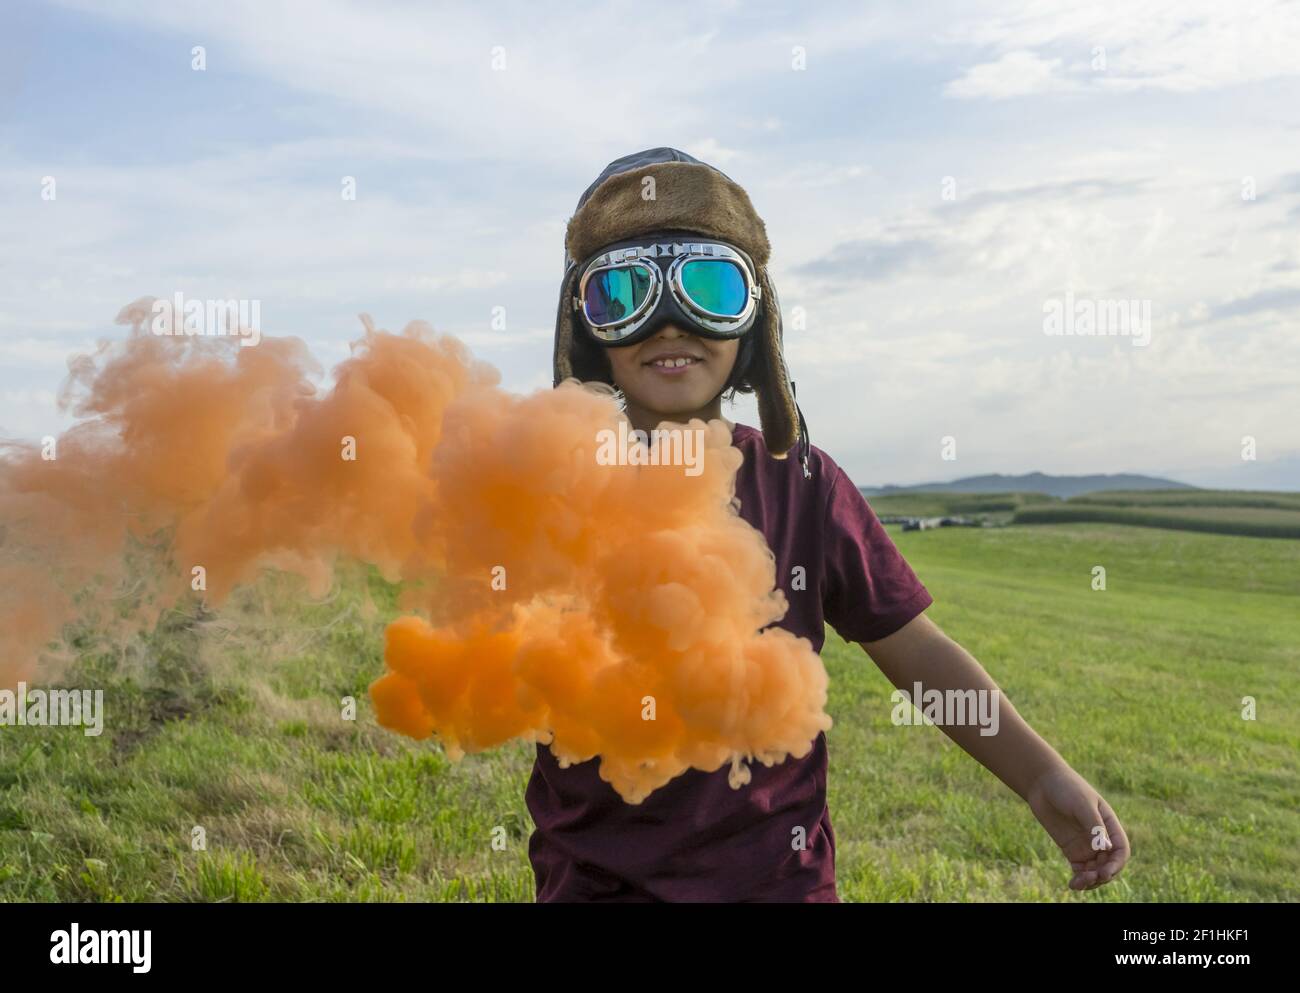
(1015, 74)
(871, 259)
(981, 229)
(1278, 299)
(1074, 190)
(1124, 46)
(461, 279)
(541, 80)
(815, 176)
(466, 178)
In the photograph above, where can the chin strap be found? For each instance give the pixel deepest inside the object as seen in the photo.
(805, 446)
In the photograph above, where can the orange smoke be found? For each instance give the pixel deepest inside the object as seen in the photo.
(611, 610)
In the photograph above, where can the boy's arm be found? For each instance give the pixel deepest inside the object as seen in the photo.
(1065, 804)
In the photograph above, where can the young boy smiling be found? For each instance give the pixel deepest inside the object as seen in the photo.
(666, 296)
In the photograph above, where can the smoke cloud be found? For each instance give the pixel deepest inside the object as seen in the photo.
(611, 610)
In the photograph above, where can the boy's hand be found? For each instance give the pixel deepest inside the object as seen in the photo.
(1082, 824)
(1077, 818)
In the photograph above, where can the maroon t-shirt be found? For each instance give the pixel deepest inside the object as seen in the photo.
(696, 838)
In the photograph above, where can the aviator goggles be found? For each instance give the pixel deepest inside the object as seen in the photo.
(711, 287)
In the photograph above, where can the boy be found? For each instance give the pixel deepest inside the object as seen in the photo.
(666, 296)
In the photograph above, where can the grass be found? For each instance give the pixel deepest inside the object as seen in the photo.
(1194, 498)
(248, 745)
(1251, 521)
(920, 504)
(1138, 686)
(231, 726)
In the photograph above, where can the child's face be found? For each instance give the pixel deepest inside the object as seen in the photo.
(671, 391)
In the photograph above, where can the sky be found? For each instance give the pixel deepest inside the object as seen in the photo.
(936, 180)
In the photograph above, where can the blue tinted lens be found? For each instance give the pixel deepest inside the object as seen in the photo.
(615, 294)
(715, 285)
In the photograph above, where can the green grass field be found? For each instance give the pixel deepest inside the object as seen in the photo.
(994, 505)
(232, 724)
(1240, 512)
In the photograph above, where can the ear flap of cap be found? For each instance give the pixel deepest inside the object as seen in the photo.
(562, 358)
(771, 381)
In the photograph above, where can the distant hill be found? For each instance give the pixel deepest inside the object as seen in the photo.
(1035, 482)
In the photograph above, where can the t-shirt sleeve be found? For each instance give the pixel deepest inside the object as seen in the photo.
(870, 590)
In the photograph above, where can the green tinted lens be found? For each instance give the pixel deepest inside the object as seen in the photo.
(715, 285)
(615, 294)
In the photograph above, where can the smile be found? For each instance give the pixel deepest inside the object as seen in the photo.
(674, 362)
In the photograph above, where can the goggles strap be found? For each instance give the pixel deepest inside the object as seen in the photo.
(805, 446)
(661, 250)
